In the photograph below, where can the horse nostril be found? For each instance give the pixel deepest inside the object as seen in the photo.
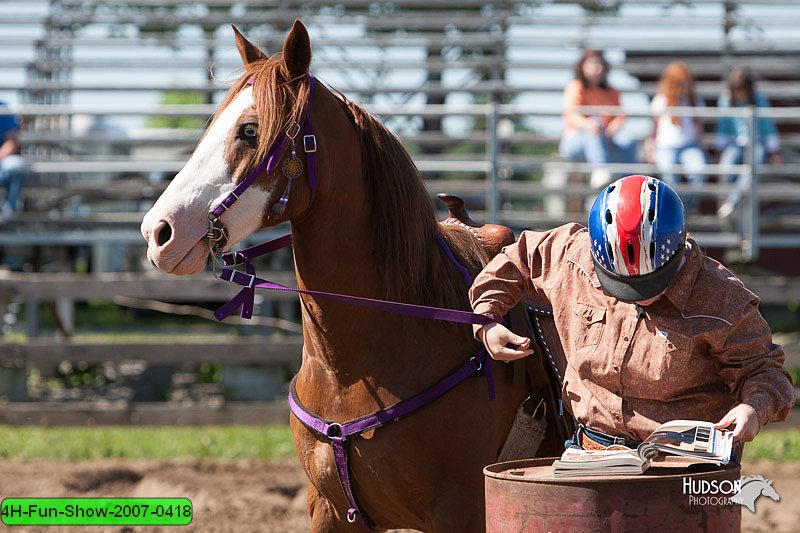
(163, 233)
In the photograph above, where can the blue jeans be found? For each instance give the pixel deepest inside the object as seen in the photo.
(691, 157)
(600, 438)
(734, 155)
(12, 174)
(598, 150)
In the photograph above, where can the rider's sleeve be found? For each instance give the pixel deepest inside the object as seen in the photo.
(519, 268)
(752, 365)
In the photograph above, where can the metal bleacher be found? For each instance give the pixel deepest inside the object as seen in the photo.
(473, 88)
(439, 74)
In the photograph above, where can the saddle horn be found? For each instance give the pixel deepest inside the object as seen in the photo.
(493, 237)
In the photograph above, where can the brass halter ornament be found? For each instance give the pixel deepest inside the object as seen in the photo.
(292, 169)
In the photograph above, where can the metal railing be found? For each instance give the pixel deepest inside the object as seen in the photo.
(494, 161)
(749, 171)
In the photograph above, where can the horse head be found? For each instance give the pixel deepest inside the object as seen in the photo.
(370, 203)
(262, 115)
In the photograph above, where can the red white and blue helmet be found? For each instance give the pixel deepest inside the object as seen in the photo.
(638, 230)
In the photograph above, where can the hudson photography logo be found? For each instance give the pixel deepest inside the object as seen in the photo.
(744, 491)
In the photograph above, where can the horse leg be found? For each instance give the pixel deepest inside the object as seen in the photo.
(323, 516)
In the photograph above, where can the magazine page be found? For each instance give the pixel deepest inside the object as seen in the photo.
(616, 460)
(612, 453)
(691, 438)
(697, 440)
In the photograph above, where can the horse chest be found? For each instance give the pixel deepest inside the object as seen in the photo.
(319, 464)
(366, 466)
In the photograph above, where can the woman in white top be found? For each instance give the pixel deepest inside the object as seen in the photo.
(676, 139)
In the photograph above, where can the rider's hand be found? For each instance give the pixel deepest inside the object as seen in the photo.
(496, 337)
(746, 422)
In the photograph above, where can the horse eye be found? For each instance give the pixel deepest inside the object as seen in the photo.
(248, 132)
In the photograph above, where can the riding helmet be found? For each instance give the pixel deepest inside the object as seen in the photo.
(638, 231)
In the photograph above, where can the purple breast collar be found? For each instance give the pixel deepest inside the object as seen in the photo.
(338, 433)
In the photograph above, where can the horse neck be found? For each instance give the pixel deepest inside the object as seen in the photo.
(331, 242)
(355, 358)
(334, 252)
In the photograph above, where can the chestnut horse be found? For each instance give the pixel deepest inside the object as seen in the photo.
(371, 230)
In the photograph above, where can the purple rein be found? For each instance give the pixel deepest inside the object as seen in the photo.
(217, 236)
(250, 282)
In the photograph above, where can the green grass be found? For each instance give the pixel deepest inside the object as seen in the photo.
(179, 97)
(776, 445)
(231, 442)
(217, 442)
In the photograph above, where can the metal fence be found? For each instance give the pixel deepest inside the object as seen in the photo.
(510, 183)
(499, 159)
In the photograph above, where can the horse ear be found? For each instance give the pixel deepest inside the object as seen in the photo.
(297, 50)
(250, 53)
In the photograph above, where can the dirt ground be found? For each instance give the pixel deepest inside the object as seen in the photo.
(229, 496)
(269, 496)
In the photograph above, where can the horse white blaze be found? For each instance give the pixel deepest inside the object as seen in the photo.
(184, 205)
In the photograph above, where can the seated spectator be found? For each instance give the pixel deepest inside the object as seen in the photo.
(733, 133)
(592, 138)
(676, 139)
(12, 166)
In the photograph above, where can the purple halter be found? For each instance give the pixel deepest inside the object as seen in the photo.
(337, 433)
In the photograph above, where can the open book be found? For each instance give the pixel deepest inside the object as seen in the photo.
(696, 440)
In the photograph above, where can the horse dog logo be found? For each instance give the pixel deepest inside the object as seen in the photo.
(750, 488)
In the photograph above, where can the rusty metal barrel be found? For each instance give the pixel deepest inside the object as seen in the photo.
(523, 496)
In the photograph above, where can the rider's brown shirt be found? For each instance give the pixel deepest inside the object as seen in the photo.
(696, 352)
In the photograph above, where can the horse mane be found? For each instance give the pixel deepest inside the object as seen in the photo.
(404, 224)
